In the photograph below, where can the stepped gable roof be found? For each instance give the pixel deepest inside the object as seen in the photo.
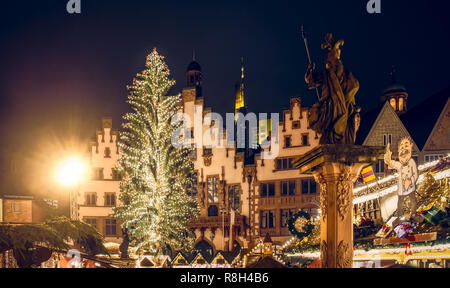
(421, 119)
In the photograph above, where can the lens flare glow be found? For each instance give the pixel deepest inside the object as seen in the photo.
(70, 172)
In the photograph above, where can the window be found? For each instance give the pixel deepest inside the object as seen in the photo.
(192, 187)
(90, 199)
(267, 189)
(393, 103)
(213, 211)
(207, 151)
(309, 186)
(107, 152)
(312, 187)
(98, 174)
(213, 196)
(115, 174)
(193, 155)
(284, 164)
(285, 215)
(233, 197)
(305, 186)
(91, 221)
(287, 141)
(16, 207)
(288, 188)
(110, 199)
(110, 227)
(305, 141)
(431, 158)
(267, 219)
(379, 167)
(296, 125)
(400, 104)
(387, 138)
(284, 188)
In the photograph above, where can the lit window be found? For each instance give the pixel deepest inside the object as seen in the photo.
(233, 197)
(400, 104)
(393, 104)
(213, 196)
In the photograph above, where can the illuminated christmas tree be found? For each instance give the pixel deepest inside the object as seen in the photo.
(155, 208)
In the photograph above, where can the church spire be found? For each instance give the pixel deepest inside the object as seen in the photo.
(239, 103)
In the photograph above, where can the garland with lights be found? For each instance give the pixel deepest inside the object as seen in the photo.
(300, 225)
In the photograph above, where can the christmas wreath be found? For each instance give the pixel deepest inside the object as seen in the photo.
(300, 224)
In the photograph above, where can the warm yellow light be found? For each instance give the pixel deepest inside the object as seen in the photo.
(70, 172)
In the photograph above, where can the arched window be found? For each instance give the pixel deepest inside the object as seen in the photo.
(400, 104)
(393, 103)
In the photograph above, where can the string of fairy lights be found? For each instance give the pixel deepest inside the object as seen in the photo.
(437, 176)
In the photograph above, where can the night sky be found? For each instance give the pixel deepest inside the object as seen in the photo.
(61, 73)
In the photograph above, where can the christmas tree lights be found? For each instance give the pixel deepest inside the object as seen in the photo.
(155, 208)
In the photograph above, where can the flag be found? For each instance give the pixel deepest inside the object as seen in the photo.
(368, 175)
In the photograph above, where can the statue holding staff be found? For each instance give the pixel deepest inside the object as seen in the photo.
(335, 117)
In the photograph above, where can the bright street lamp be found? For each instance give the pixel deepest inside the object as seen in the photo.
(70, 173)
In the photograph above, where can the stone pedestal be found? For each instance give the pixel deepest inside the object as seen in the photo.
(336, 168)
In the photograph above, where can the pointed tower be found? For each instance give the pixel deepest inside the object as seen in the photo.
(396, 94)
(194, 76)
(239, 102)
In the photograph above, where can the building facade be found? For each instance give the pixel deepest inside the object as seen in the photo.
(262, 193)
(100, 193)
(427, 124)
(16, 209)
